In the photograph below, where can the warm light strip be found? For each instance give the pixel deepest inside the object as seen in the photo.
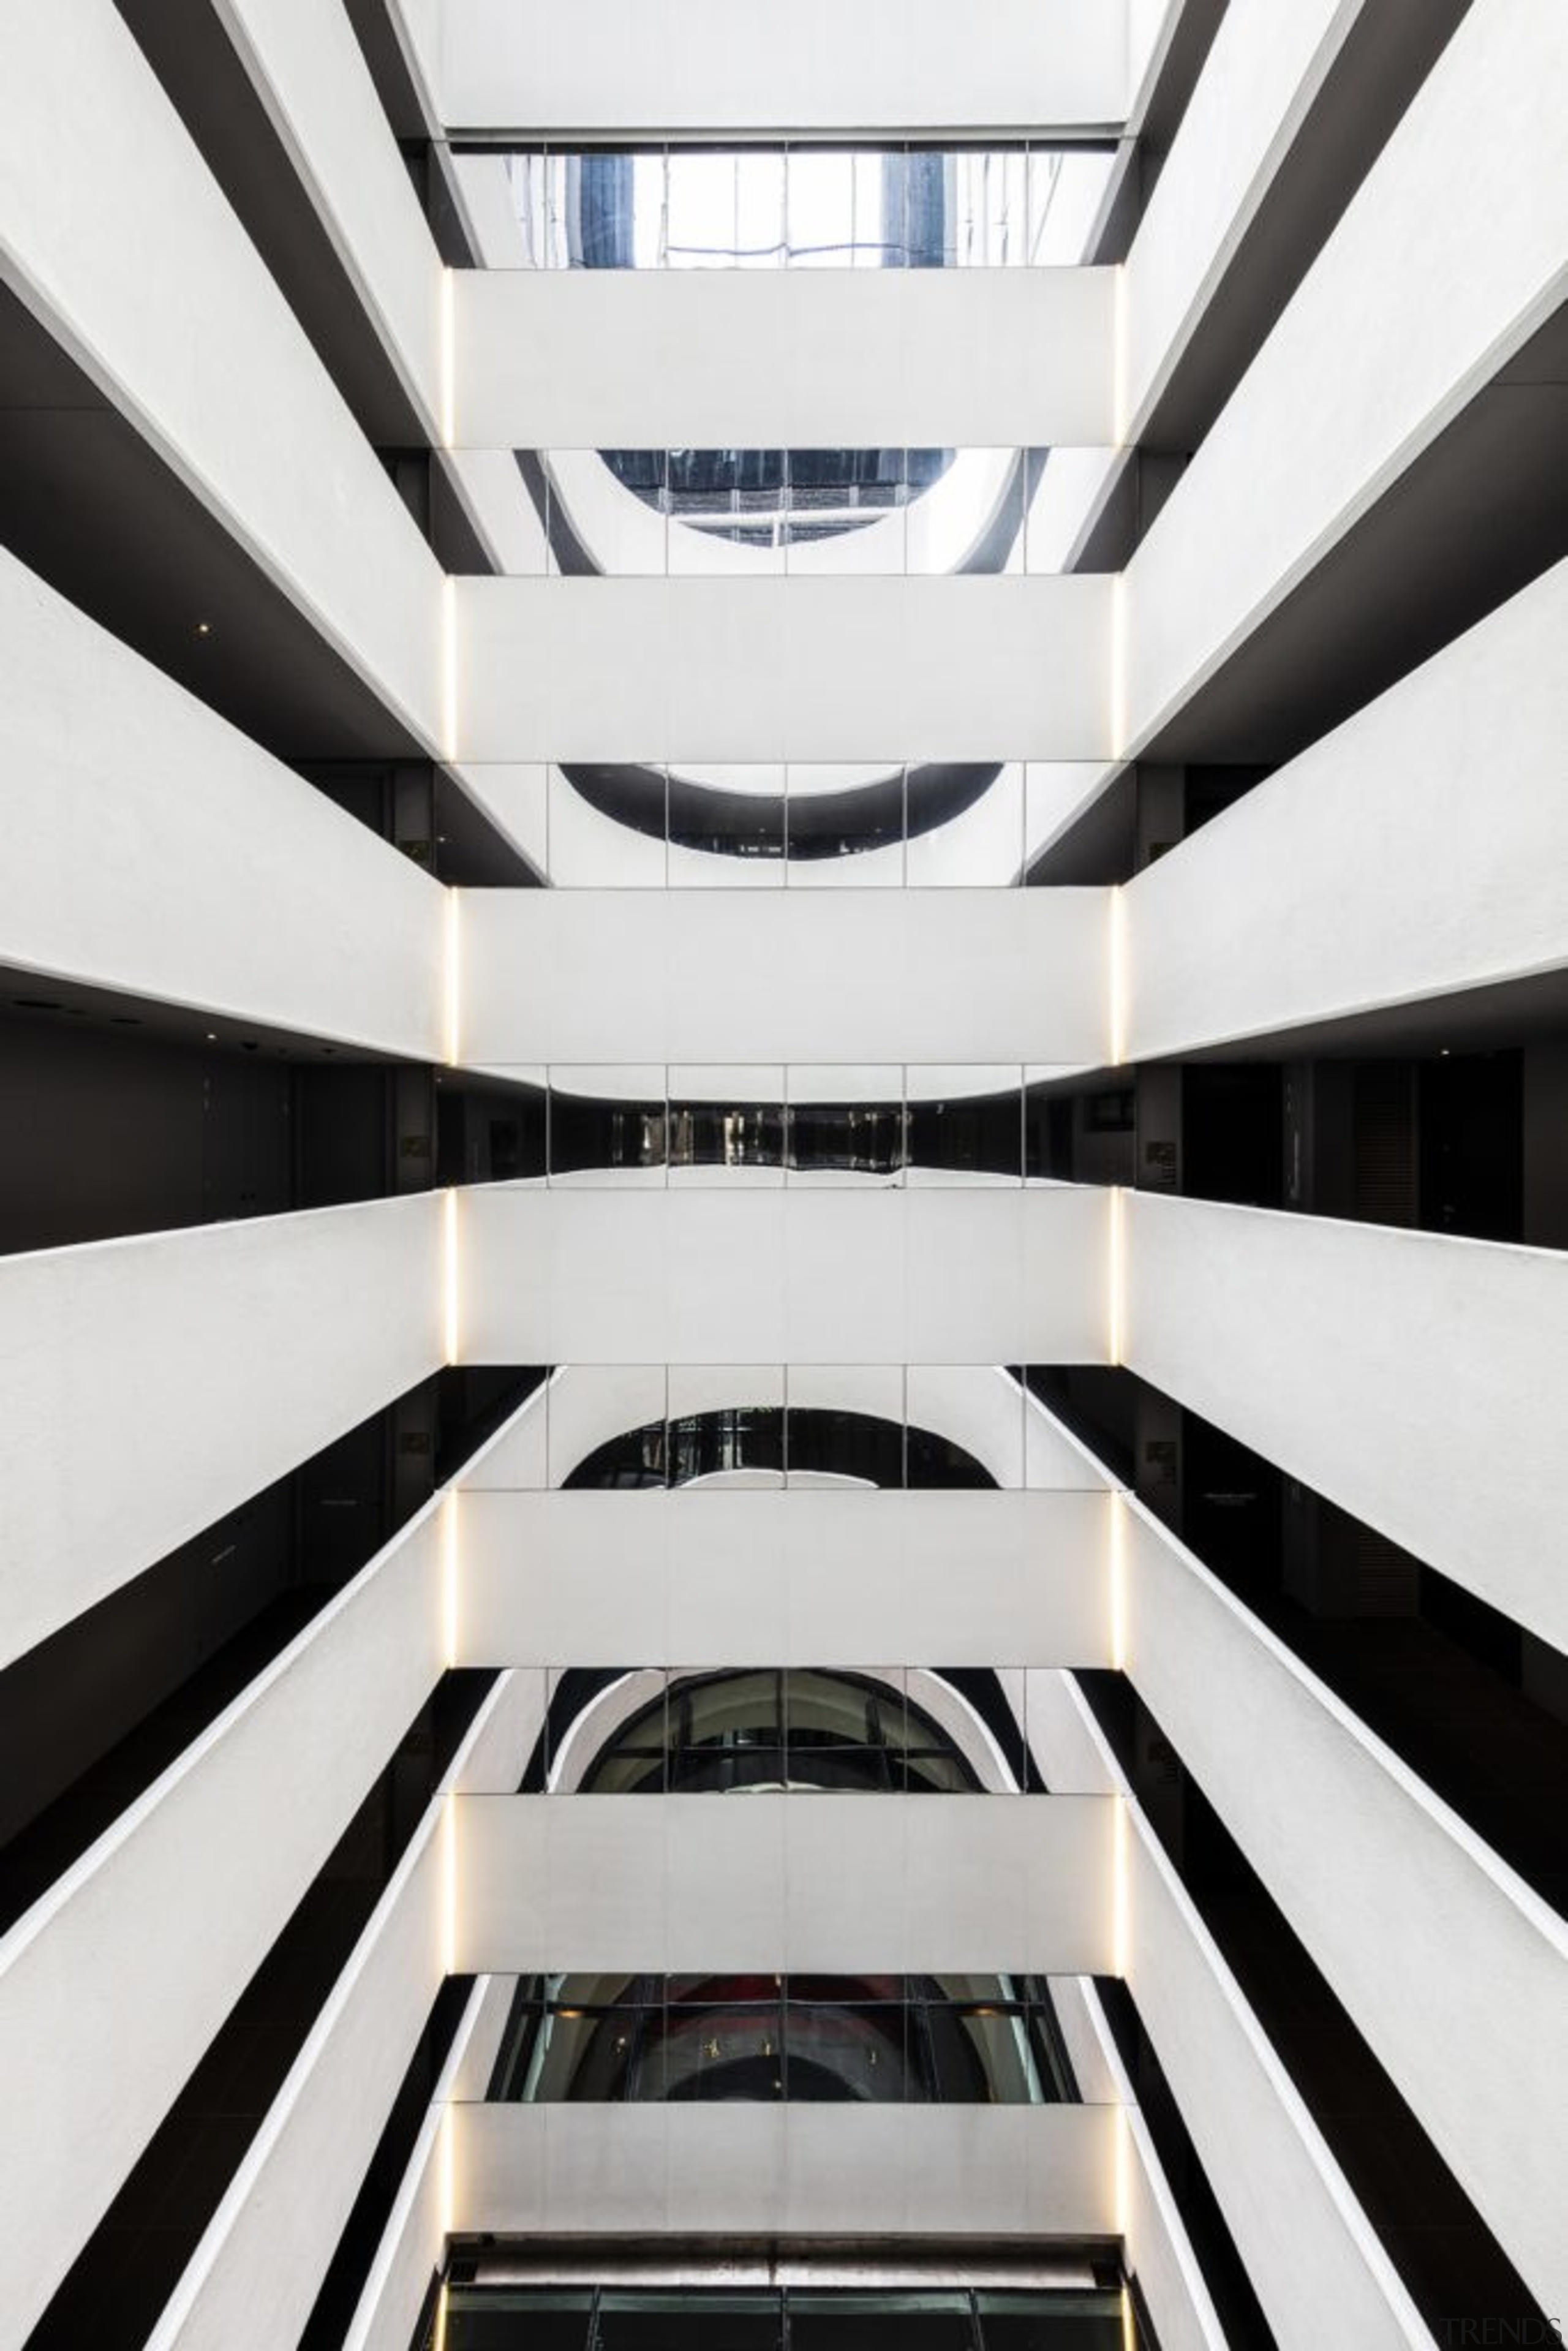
(1115, 1274)
(454, 978)
(440, 2343)
(1129, 2332)
(448, 359)
(449, 1577)
(449, 1273)
(449, 667)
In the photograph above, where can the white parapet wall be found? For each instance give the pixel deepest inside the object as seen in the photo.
(1036, 2172)
(1437, 1419)
(786, 359)
(1365, 367)
(1450, 786)
(263, 2257)
(202, 353)
(1262, 74)
(1455, 1970)
(168, 857)
(885, 1276)
(114, 1982)
(797, 1882)
(1313, 2258)
(682, 1577)
(311, 74)
(150, 1385)
(767, 669)
(954, 976)
(897, 66)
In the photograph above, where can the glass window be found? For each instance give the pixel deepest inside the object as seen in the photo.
(675, 2321)
(813, 207)
(865, 2322)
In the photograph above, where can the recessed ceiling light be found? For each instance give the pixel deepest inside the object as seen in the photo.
(212, 1036)
(203, 628)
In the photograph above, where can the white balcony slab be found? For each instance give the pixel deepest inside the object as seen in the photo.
(113, 1984)
(150, 1385)
(833, 1885)
(160, 295)
(956, 977)
(1450, 787)
(1365, 367)
(1035, 2172)
(767, 669)
(1414, 1378)
(748, 1276)
(784, 359)
(892, 66)
(168, 857)
(685, 1578)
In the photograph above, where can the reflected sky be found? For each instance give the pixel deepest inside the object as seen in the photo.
(772, 207)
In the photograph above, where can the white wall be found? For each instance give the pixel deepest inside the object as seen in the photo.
(113, 1983)
(1365, 367)
(749, 977)
(263, 2256)
(788, 359)
(1316, 2264)
(1156, 2246)
(743, 1277)
(147, 1386)
(855, 669)
(312, 78)
(778, 1579)
(259, 2266)
(889, 64)
(148, 278)
(1450, 788)
(1453, 1968)
(167, 856)
(1318, 2267)
(1436, 1418)
(809, 1884)
(1259, 81)
(1036, 2172)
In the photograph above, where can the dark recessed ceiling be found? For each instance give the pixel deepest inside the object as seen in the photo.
(87, 504)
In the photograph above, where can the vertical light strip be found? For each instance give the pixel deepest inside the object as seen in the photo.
(449, 1577)
(440, 2343)
(447, 359)
(1115, 1274)
(449, 1274)
(448, 667)
(454, 978)
(1129, 2332)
